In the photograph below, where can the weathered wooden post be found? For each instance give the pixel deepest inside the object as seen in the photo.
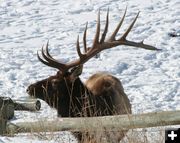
(28, 105)
(6, 108)
(7, 103)
(6, 112)
(3, 123)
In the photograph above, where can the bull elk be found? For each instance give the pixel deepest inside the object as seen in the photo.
(101, 95)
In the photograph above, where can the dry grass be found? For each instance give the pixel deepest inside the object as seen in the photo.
(155, 135)
(147, 135)
(150, 135)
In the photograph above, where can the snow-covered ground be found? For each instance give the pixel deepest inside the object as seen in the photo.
(151, 79)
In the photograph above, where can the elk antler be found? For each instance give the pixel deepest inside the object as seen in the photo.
(98, 45)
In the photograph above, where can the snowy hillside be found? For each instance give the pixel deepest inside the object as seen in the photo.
(151, 79)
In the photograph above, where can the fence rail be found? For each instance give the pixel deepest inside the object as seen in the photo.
(119, 122)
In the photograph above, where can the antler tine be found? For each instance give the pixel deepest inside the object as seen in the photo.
(47, 57)
(112, 37)
(47, 52)
(130, 27)
(106, 27)
(84, 38)
(45, 62)
(78, 48)
(51, 61)
(124, 41)
(96, 38)
(43, 54)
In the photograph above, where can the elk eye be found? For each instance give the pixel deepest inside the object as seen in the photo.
(55, 82)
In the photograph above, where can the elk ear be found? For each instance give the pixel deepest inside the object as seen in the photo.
(76, 72)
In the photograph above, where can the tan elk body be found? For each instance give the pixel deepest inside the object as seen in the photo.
(101, 95)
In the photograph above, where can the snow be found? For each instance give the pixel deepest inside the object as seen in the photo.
(151, 79)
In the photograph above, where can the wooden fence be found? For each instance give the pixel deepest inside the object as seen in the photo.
(119, 122)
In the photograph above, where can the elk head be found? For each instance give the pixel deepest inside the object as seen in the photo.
(56, 90)
(59, 90)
